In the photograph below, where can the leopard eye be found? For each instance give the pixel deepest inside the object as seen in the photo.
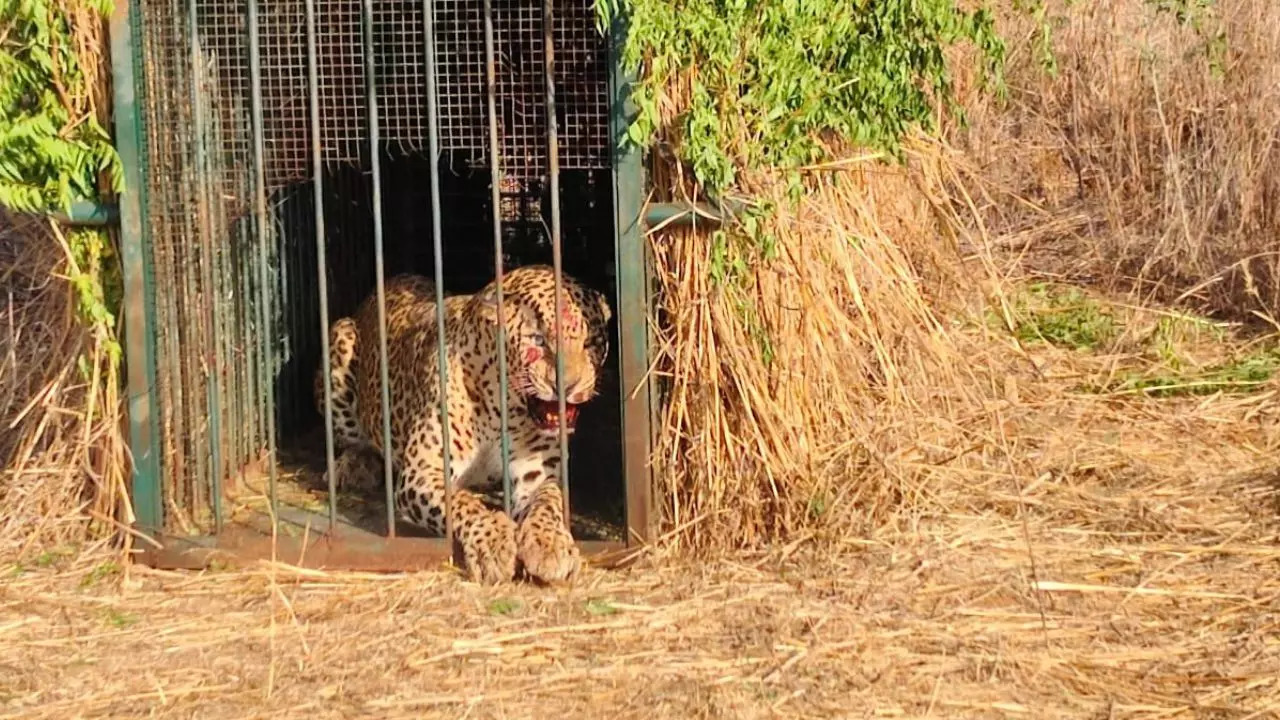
(538, 340)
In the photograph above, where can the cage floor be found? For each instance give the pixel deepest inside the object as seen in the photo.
(302, 501)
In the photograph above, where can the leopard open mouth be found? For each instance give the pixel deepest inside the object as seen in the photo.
(546, 414)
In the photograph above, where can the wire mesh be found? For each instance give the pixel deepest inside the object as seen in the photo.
(581, 74)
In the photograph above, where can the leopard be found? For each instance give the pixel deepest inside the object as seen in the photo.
(496, 545)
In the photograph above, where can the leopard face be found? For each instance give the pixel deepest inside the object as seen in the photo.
(529, 306)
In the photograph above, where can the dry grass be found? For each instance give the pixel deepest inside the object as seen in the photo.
(61, 446)
(1149, 162)
(1062, 600)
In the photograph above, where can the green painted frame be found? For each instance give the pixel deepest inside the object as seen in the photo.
(135, 249)
(318, 545)
(634, 304)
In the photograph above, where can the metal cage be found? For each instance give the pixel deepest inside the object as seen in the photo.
(283, 158)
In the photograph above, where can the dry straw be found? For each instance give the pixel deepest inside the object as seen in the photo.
(61, 443)
(1149, 161)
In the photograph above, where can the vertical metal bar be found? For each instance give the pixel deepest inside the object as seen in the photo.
(437, 243)
(322, 263)
(495, 164)
(211, 338)
(266, 332)
(633, 300)
(553, 171)
(379, 267)
(135, 246)
(215, 451)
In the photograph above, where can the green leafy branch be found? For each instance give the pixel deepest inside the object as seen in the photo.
(768, 80)
(52, 149)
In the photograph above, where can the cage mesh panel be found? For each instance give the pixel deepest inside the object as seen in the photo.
(580, 75)
(214, 357)
(581, 82)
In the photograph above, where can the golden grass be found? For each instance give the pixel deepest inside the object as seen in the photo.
(1148, 163)
(1080, 597)
(61, 444)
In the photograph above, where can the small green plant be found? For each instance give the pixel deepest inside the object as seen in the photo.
(1172, 332)
(818, 505)
(1242, 374)
(504, 606)
(99, 573)
(1064, 317)
(49, 558)
(118, 619)
(601, 606)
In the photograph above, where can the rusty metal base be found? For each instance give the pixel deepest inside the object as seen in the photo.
(305, 539)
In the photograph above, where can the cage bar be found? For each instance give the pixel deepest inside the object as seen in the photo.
(203, 207)
(263, 295)
(553, 173)
(322, 265)
(495, 181)
(379, 265)
(437, 244)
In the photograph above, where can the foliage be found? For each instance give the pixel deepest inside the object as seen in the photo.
(1241, 374)
(769, 80)
(52, 146)
(1064, 317)
(95, 274)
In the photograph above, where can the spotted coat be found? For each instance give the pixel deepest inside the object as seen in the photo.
(492, 542)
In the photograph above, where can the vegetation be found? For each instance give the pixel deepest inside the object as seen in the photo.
(766, 84)
(1163, 365)
(1065, 317)
(62, 458)
(53, 147)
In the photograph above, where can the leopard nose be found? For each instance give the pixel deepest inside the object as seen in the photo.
(578, 389)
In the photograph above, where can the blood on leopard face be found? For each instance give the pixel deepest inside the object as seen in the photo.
(546, 413)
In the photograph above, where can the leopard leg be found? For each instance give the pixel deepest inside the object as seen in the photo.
(487, 536)
(358, 465)
(545, 546)
(343, 337)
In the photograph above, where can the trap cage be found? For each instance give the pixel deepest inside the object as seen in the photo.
(284, 159)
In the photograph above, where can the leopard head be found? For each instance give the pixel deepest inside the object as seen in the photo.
(529, 307)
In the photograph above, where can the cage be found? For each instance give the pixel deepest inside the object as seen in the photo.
(284, 159)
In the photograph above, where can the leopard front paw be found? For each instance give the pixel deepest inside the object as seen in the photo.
(357, 469)
(489, 549)
(547, 550)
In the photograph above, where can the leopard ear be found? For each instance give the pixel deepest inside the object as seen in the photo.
(605, 311)
(486, 303)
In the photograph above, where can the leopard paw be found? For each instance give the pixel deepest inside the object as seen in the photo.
(489, 549)
(547, 550)
(357, 469)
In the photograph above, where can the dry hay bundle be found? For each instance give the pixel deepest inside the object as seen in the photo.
(62, 456)
(792, 391)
